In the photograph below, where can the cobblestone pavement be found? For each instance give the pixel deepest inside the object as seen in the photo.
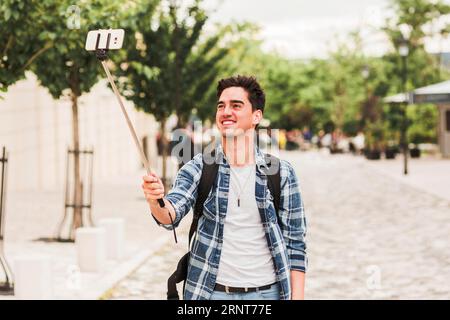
(369, 236)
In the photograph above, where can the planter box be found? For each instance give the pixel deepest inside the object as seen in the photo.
(373, 155)
(414, 153)
(390, 153)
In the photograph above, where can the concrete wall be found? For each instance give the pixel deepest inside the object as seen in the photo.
(37, 131)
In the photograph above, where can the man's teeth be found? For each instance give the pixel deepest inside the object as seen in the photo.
(228, 122)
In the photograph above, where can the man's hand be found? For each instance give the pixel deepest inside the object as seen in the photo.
(153, 188)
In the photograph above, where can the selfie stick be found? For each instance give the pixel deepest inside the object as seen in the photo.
(102, 56)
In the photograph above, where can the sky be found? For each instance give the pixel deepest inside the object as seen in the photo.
(311, 28)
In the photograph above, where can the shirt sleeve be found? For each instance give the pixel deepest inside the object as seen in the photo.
(292, 216)
(183, 194)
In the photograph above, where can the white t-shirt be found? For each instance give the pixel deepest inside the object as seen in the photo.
(245, 259)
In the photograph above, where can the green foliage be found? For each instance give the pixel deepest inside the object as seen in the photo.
(167, 66)
(375, 135)
(416, 16)
(351, 127)
(422, 68)
(393, 115)
(220, 55)
(24, 36)
(337, 92)
(67, 65)
(423, 127)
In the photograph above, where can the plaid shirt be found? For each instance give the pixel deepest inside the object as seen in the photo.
(286, 240)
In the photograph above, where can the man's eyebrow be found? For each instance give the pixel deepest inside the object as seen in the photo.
(232, 101)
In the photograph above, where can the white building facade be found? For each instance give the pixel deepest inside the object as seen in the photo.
(37, 132)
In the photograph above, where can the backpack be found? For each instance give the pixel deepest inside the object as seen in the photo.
(208, 178)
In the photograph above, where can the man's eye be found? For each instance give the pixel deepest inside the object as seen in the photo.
(236, 105)
(220, 106)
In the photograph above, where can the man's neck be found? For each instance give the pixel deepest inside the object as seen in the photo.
(239, 150)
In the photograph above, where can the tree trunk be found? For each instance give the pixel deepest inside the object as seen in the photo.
(77, 221)
(182, 121)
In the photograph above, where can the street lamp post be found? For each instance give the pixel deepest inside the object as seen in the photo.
(404, 51)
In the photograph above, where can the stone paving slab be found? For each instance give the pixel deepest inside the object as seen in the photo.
(149, 281)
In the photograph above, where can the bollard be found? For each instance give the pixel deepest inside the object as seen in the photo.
(91, 249)
(32, 278)
(115, 237)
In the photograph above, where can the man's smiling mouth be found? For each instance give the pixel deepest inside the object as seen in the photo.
(228, 122)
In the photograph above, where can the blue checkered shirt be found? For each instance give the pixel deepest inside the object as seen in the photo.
(286, 239)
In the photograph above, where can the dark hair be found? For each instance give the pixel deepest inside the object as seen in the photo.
(255, 92)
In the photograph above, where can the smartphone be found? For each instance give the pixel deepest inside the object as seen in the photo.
(110, 39)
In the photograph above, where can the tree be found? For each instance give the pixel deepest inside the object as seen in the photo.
(413, 18)
(423, 123)
(24, 37)
(168, 68)
(417, 20)
(67, 69)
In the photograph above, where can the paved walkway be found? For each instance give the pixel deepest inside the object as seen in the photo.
(371, 235)
(427, 173)
(31, 215)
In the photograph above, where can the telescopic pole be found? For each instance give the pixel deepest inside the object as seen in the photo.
(101, 55)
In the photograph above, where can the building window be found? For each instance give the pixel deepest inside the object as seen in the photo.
(447, 118)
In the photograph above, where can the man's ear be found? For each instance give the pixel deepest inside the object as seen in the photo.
(257, 117)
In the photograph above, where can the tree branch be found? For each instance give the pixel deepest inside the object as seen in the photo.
(47, 46)
(10, 39)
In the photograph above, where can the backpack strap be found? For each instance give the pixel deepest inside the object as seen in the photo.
(179, 275)
(207, 179)
(209, 174)
(274, 180)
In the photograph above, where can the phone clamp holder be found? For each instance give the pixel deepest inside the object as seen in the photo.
(101, 54)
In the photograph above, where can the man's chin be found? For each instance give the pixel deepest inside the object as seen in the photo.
(232, 132)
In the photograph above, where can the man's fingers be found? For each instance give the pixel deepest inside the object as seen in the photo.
(154, 191)
(153, 196)
(152, 185)
(150, 178)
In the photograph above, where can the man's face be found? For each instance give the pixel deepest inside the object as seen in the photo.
(234, 114)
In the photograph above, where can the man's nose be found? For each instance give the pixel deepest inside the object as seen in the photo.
(227, 110)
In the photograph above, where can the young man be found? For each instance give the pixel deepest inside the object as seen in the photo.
(242, 250)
